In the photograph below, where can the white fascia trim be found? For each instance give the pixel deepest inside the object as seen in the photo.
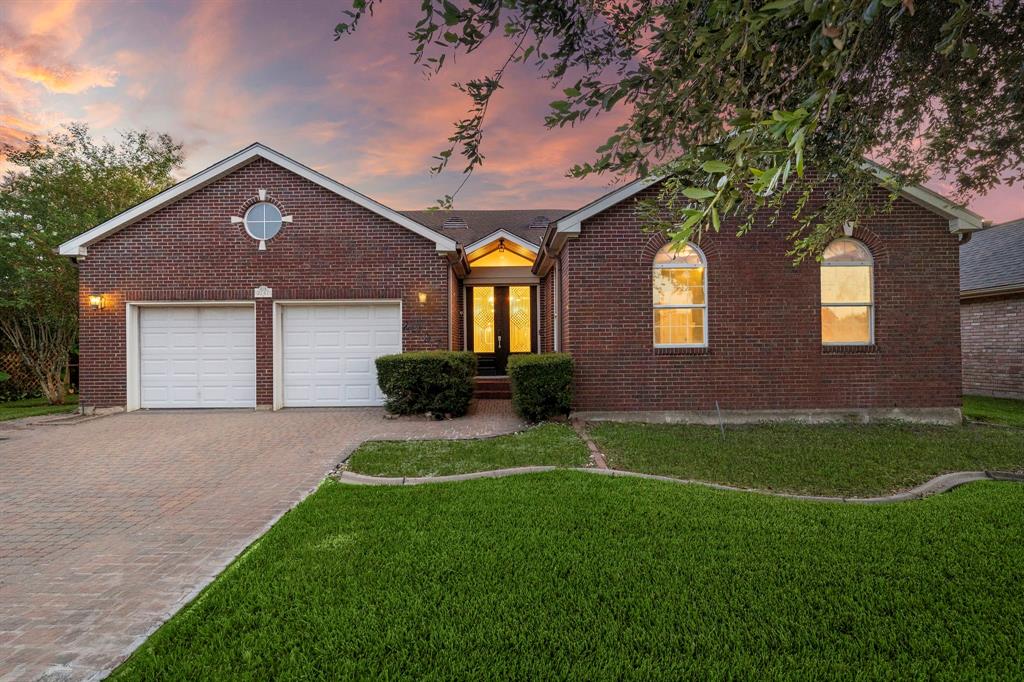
(961, 219)
(571, 222)
(502, 234)
(77, 245)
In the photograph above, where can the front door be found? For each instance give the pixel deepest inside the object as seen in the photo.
(501, 321)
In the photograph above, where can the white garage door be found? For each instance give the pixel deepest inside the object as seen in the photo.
(197, 356)
(328, 352)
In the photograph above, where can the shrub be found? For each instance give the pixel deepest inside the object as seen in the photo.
(439, 382)
(541, 385)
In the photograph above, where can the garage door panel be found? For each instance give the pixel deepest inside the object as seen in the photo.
(193, 356)
(329, 351)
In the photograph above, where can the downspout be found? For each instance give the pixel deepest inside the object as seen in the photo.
(556, 305)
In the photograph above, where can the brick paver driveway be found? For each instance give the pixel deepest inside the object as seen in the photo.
(108, 526)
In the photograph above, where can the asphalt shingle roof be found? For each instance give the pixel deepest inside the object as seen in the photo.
(994, 257)
(525, 223)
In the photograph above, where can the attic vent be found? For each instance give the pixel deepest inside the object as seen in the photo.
(540, 221)
(454, 222)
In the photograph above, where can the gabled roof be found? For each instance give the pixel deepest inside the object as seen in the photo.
(993, 260)
(568, 226)
(78, 245)
(528, 224)
(960, 219)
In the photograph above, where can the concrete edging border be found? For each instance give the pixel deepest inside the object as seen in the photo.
(934, 486)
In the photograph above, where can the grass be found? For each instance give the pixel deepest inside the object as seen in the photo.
(996, 410)
(568, 575)
(856, 460)
(551, 444)
(35, 407)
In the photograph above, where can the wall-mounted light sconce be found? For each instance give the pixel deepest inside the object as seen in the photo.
(422, 296)
(501, 246)
(96, 301)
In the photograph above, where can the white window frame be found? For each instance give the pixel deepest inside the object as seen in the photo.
(870, 263)
(248, 224)
(669, 306)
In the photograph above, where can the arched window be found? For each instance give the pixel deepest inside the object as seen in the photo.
(680, 297)
(847, 294)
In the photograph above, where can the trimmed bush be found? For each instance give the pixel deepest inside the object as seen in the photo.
(541, 385)
(439, 382)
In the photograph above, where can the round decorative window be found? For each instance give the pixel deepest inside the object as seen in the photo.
(263, 220)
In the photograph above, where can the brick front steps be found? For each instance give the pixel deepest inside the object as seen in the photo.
(492, 388)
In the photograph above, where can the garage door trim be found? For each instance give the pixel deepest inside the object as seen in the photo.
(133, 346)
(278, 327)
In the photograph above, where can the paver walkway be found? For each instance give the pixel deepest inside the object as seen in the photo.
(108, 526)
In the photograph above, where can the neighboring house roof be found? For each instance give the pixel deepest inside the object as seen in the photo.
(529, 224)
(78, 245)
(992, 262)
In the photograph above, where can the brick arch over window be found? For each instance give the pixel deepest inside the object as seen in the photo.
(253, 200)
(874, 243)
(659, 239)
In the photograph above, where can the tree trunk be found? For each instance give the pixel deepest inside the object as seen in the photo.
(44, 345)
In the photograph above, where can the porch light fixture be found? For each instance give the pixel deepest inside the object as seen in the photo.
(422, 296)
(96, 301)
(501, 246)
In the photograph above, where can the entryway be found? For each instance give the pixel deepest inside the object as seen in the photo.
(501, 321)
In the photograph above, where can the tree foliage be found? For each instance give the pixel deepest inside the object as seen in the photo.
(731, 100)
(57, 188)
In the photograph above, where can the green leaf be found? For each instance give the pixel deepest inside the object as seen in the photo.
(698, 193)
(715, 220)
(970, 51)
(451, 37)
(451, 13)
(571, 92)
(714, 166)
(777, 5)
(691, 221)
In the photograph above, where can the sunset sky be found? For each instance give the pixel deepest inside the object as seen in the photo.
(219, 74)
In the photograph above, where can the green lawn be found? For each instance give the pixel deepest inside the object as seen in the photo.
(997, 410)
(34, 407)
(554, 444)
(569, 575)
(859, 459)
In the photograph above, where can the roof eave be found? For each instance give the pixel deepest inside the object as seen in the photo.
(961, 219)
(1000, 290)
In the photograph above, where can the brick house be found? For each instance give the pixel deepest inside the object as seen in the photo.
(259, 282)
(992, 311)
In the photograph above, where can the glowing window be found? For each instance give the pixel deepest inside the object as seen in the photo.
(847, 296)
(483, 319)
(680, 297)
(519, 319)
(263, 220)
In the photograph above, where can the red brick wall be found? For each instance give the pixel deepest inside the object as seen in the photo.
(546, 293)
(764, 334)
(992, 333)
(189, 250)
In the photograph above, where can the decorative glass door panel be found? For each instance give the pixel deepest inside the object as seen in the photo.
(483, 319)
(519, 320)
